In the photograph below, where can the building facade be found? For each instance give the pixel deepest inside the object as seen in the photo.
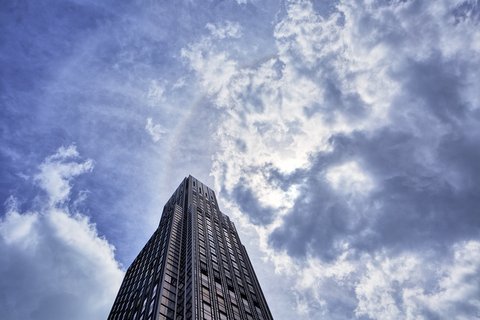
(193, 267)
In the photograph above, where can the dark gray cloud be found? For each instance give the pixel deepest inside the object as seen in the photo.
(435, 86)
(249, 204)
(425, 165)
(336, 102)
(414, 204)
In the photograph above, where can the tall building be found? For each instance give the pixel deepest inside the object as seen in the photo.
(193, 267)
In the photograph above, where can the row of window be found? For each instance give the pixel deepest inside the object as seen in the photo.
(210, 243)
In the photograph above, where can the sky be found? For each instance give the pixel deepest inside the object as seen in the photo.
(342, 138)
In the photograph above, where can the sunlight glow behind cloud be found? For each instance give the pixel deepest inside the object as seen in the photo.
(349, 178)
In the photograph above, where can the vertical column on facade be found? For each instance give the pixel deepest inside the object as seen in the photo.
(181, 311)
(184, 300)
(208, 264)
(202, 267)
(205, 253)
(219, 273)
(218, 288)
(232, 285)
(189, 294)
(190, 263)
(181, 263)
(180, 314)
(166, 310)
(262, 303)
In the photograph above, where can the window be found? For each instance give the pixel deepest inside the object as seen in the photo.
(207, 311)
(205, 294)
(223, 316)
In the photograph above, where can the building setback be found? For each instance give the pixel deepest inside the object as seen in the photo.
(193, 267)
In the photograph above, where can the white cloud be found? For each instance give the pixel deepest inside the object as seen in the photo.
(156, 131)
(412, 287)
(54, 265)
(344, 73)
(215, 68)
(57, 171)
(385, 286)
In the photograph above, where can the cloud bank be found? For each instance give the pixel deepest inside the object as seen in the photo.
(359, 140)
(54, 265)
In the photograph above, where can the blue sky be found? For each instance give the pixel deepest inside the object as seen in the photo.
(341, 136)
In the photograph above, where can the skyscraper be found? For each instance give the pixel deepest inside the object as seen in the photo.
(193, 267)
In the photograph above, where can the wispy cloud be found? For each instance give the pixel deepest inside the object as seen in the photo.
(226, 29)
(156, 131)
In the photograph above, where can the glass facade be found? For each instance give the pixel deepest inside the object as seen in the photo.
(193, 267)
